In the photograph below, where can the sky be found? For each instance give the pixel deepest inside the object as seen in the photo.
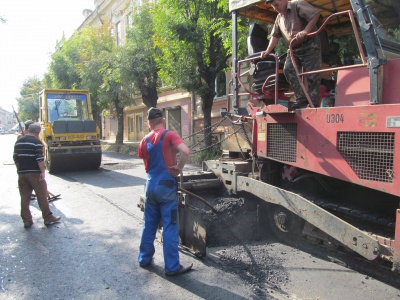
(29, 37)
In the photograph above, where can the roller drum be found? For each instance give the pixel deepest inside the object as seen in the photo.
(75, 161)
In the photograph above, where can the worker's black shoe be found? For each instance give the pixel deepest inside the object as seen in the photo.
(181, 270)
(51, 220)
(145, 265)
(28, 224)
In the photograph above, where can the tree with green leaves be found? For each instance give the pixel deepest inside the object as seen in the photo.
(28, 103)
(75, 63)
(139, 55)
(90, 59)
(63, 69)
(94, 43)
(189, 35)
(115, 88)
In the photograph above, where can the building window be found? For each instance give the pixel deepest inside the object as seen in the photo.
(130, 125)
(118, 33)
(220, 85)
(139, 123)
(173, 119)
(129, 20)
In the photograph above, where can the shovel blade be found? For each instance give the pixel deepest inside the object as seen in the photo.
(192, 230)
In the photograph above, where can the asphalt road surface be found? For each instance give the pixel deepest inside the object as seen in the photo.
(92, 252)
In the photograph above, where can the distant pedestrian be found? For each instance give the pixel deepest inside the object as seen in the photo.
(20, 135)
(158, 150)
(29, 160)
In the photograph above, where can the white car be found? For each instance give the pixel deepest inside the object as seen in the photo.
(16, 128)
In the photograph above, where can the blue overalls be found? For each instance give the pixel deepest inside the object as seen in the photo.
(161, 203)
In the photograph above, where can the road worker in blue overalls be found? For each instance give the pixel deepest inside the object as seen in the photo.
(159, 151)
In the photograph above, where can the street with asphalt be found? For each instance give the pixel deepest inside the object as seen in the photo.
(92, 252)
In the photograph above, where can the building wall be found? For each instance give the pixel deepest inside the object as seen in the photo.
(109, 127)
(166, 101)
(113, 12)
(6, 119)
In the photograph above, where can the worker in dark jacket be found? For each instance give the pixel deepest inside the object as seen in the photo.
(29, 160)
(23, 133)
(158, 150)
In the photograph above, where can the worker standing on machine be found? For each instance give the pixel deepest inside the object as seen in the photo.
(29, 160)
(295, 20)
(158, 150)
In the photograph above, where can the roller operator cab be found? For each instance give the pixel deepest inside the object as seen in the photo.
(69, 133)
(349, 142)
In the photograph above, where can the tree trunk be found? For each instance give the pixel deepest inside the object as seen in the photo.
(149, 96)
(119, 140)
(95, 114)
(207, 104)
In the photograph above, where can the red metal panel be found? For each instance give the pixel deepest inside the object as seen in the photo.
(391, 86)
(353, 87)
(317, 135)
(261, 137)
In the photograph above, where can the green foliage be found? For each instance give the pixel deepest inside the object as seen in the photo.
(191, 37)
(348, 48)
(28, 103)
(95, 45)
(393, 34)
(63, 71)
(139, 54)
(208, 154)
(90, 59)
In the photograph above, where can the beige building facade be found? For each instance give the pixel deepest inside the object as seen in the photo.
(7, 119)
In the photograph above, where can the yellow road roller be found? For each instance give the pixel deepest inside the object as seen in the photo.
(70, 136)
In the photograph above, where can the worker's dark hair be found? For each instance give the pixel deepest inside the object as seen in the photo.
(154, 113)
(34, 128)
(27, 124)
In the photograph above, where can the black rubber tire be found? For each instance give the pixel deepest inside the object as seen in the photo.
(49, 163)
(284, 223)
